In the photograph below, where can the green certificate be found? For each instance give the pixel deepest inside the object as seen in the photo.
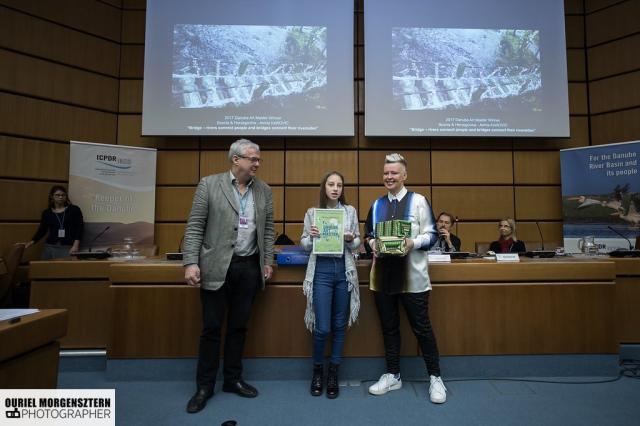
(330, 223)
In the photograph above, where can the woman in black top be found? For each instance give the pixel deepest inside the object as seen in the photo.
(63, 221)
(508, 242)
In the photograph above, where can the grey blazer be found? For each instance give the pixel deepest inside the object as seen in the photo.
(212, 228)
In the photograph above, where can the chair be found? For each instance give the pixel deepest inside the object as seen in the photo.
(482, 247)
(12, 261)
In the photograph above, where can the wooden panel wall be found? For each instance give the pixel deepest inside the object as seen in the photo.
(76, 72)
(613, 43)
(59, 81)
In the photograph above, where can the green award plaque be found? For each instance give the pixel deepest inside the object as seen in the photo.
(390, 237)
(330, 223)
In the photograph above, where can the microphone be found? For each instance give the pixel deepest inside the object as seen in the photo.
(95, 254)
(178, 254)
(622, 235)
(623, 252)
(542, 252)
(98, 236)
(180, 244)
(541, 238)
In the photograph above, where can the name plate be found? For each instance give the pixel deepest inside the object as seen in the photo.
(507, 257)
(439, 258)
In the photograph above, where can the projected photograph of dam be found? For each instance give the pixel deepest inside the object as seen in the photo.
(455, 69)
(226, 66)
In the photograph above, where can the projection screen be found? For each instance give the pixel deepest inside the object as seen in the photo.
(248, 67)
(485, 68)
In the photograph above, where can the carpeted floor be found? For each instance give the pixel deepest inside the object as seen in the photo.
(155, 392)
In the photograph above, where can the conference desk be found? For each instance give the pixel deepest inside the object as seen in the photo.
(81, 287)
(627, 300)
(29, 350)
(478, 307)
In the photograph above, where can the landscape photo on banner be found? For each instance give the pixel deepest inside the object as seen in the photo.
(600, 195)
(115, 188)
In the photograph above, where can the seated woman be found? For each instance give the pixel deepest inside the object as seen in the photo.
(63, 223)
(508, 242)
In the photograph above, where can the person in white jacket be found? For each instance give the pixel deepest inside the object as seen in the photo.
(395, 279)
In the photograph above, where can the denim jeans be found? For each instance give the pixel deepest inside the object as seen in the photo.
(331, 307)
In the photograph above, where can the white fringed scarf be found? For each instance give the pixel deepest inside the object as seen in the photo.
(352, 280)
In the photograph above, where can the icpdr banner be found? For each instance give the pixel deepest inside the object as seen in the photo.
(600, 195)
(115, 186)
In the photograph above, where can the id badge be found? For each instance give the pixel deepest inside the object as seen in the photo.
(244, 222)
(60, 233)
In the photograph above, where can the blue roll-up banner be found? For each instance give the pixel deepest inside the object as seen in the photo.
(600, 195)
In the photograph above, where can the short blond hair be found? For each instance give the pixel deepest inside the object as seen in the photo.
(395, 158)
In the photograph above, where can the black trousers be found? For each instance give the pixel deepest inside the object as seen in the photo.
(416, 305)
(234, 298)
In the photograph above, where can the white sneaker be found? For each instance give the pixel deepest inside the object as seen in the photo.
(387, 383)
(437, 391)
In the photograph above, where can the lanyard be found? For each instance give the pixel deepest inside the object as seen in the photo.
(61, 222)
(242, 199)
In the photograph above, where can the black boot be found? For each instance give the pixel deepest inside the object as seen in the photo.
(316, 380)
(332, 382)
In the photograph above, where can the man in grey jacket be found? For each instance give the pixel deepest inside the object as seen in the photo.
(228, 253)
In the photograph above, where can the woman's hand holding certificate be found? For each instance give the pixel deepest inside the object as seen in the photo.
(330, 226)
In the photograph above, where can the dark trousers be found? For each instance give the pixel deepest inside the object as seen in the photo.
(234, 298)
(416, 305)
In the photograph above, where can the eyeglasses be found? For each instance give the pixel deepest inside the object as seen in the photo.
(252, 159)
